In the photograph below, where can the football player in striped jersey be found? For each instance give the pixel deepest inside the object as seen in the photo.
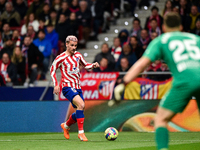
(68, 62)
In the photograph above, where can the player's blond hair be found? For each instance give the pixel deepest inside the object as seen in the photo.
(71, 38)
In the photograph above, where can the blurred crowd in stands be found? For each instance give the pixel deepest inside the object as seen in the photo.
(33, 32)
(129, 46)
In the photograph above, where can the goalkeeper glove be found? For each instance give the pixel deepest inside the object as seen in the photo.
(118, 91)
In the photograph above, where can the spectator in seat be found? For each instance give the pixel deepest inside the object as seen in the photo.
(8, 48)
(30, 20)
(45, 47)
(61, 28)
(10, 16)
(7, 33)
(168, 7)
(105, 53)
(135, 47)
(154, 27)
(185, 20)
(52, 36)
(2, 6)
(8, 70)
(194, 15)
(45, 14)
(196, 30)
(123, 36)
(184, 8)
(33, 59)
(16, 38)
(53, 18)
(61, 47)
(153, 67)
(175, 3)
(155, 15)
(176, 9)
(97, 10)
(127, 52)
(136, 29)
(159, 66)
(103, 66)
(41, 24)
(84, 17)
(21, 7)
(72, 24)
(19, 61)
(30, 32)
(64, 10)
(116, 49)
(163, 68)
(74, 7)
(153, 35)
(123, 67)
(56, 5)
(144, 40)
(36, 7)
(107, 14)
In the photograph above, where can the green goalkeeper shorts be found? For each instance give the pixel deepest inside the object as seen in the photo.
(177, 98)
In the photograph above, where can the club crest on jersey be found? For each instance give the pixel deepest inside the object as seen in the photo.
(77, 59)
(67, 64)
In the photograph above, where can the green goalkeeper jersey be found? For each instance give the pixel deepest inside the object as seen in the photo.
(181, 52)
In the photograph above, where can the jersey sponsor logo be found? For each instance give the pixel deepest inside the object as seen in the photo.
(106, 88)
(149, 91)
(75, 71)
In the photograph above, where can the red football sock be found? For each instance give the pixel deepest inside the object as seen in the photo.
(70, 121)
(80, 122)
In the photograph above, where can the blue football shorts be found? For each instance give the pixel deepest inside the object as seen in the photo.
(70, 93)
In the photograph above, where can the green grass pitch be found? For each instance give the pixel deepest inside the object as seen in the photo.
(96, 141)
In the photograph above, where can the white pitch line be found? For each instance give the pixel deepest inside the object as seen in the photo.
(100, 141)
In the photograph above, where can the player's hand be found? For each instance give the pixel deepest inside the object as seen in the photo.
(56, 90)
(96, 65)
(118, 91)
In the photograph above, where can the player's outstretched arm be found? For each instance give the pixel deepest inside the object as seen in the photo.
(133, 72)
(87, 65)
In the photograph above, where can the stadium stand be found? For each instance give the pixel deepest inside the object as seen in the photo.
(116, 17)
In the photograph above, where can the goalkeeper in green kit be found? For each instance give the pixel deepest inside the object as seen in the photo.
(181, 52)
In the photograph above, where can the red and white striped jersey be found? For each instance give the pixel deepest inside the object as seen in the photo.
(69, 67)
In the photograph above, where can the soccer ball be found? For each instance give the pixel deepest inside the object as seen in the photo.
(111, 133)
